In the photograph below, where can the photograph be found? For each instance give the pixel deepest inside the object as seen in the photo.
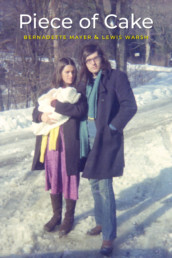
(85, 128)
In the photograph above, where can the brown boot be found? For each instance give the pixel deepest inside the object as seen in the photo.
(56, 201)
(67, 223)
(95, 231)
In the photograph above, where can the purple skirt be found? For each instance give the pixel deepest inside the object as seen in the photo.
(56, 177)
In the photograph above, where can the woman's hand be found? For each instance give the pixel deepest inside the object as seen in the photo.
(46, 119)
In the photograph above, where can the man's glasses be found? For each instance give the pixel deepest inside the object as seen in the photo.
(95, 59)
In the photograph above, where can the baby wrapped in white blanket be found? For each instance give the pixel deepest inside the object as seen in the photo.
(64, 95)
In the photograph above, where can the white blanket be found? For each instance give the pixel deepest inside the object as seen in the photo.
(64, 95)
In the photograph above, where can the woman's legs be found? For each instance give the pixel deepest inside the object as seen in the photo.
(70, 186)
(56, 202)
(53, 181)
(60, 183)
(68, 220)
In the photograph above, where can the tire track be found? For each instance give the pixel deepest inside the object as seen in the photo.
(150, 118)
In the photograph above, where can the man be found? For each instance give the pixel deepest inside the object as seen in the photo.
(111, 104)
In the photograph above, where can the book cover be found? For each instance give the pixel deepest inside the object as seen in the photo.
(136, 37)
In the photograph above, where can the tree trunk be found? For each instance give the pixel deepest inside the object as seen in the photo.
(121, 57)
(54, 7)
(1, 101)
(147, 47)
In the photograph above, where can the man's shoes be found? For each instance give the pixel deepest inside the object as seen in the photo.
(95, 231)
(107, 247)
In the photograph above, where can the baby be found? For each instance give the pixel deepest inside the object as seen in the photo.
(64, 95)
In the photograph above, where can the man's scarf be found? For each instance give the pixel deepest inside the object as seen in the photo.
(92, 95)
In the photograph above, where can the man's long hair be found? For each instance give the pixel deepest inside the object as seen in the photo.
(57, 76)
(87, 50)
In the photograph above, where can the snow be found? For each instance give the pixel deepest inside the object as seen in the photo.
(15, 119)
(143, 194)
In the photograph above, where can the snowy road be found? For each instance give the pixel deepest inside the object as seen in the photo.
(145, 199)
(143, 196)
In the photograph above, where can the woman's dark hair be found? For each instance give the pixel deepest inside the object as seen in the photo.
(57, 76)
(86, 51)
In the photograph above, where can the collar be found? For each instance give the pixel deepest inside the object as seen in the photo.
(105, 77)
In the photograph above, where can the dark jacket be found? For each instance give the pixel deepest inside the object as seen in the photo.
(116, 106)
(71, 134)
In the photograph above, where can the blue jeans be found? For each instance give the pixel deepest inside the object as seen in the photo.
(104, 198)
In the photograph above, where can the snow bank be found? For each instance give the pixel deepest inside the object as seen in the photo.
(158, 88)
(15, 119)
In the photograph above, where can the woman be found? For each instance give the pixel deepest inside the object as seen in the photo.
(61, 162)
